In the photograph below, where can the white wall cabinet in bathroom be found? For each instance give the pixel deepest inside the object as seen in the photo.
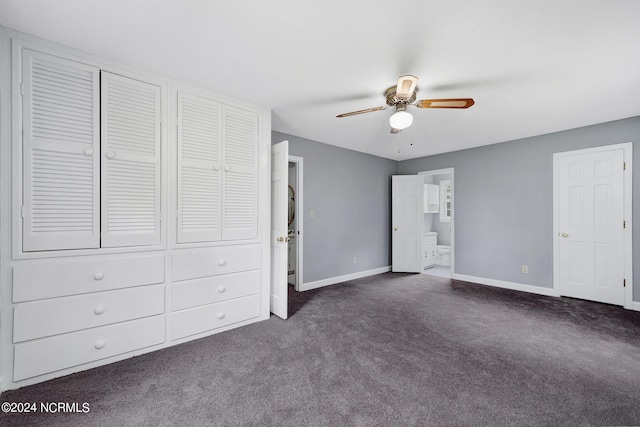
(431, 198)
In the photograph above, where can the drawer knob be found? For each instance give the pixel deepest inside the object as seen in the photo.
(98, 276)
(220, 315)
(111, 154)
(100, 344)
(227, 168)
(88, 151)
(221, 289)
(216, 167)
(221, 262)
(99, 310)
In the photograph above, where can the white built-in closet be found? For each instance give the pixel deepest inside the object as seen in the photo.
(135, 211)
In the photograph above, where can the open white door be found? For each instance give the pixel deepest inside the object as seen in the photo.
(407, 223)
(279, 231)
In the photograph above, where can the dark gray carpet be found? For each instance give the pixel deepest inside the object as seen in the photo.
(388, 350)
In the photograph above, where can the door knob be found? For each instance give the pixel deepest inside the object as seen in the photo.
(565, 234)
(281, 239)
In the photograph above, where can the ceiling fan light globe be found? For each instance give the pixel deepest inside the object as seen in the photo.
(401, 120)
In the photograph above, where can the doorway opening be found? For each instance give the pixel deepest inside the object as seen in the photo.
(295, 223)
(438, 239)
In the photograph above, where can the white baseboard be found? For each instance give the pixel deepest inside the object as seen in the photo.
(635, 305)
(340, 279)
(508, 285)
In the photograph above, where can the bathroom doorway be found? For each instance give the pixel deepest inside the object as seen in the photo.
(295, 221)
(438, 239)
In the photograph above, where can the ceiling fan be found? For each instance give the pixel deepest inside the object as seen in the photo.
(404, 94)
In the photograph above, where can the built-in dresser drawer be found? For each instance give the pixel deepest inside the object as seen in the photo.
(39, 281)
(208, 317)
(52, 354)
(208, 290)
(43, 318)
(195, 263)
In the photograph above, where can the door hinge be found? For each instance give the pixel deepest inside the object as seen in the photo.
(22, 211)
(624, 224)
(21, 89)
(624, 283)
(624, 166)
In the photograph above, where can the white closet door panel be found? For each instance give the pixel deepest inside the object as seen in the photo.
(240, 196)
(60, 153)
(199, 169)
(131, 162)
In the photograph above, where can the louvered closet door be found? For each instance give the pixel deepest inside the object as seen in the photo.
(240, 153)
(130, 162)
(60, 153)
(199, 169)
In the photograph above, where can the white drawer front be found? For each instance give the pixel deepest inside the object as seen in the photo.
(64, 351)
(39, 281)
(192, 264)
(208, 290)
(212, 316)
(39, 319)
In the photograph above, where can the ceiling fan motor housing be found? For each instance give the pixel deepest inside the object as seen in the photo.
(392, 98)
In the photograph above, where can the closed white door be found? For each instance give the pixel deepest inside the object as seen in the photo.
(590, 225)
(61, 153)
(199, 169)
(130, 119)
(240, 174)
(279, 230)
(407, 223)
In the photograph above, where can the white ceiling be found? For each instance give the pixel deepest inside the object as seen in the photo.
(532, 66)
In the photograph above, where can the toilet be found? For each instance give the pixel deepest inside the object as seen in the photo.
(443, 255)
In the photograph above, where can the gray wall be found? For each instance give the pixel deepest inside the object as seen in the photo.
(503, 201)
(350, 195)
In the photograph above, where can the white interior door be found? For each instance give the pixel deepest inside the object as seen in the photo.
(590, 225)
(279, 230)
(407, 223)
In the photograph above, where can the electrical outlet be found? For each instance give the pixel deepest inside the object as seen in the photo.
(312, 214)
(525, 269)
(355, 259)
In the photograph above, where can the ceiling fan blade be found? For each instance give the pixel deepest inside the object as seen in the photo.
(406, 86)
(445, 103)
(394, 130)
(368, 110)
